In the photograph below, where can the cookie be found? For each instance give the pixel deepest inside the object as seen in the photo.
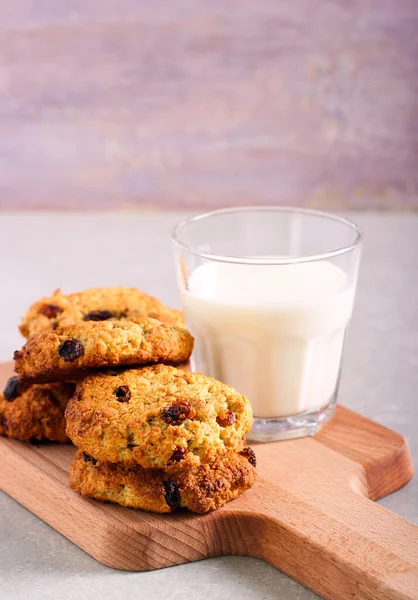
(157, 417)
(201, 489)
(101, 304)
(71, 351)
(35, 413)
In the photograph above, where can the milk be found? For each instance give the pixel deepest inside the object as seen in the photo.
(273, 332)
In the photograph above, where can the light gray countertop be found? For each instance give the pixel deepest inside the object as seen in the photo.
(43, 251)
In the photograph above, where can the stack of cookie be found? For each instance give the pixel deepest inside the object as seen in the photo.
(160, 438)
(150, 435)
(65, 332)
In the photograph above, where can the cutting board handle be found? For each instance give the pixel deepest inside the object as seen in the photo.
(353, 547)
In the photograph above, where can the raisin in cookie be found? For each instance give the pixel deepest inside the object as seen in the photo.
(201, 489)
(102, 304)
(157, 417)
(34, 413)
(68, 352)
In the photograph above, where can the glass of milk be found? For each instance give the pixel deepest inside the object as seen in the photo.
(268, 294)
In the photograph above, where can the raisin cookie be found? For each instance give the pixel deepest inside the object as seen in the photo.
(71, 351)
(157, 417)
(102, 304)
(201, 489)
(34, 413)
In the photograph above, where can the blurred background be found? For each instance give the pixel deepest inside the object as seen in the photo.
(193, 104)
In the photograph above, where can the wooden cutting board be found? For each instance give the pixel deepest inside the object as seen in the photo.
(311, 512)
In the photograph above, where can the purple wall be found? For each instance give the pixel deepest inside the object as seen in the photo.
(193, 103)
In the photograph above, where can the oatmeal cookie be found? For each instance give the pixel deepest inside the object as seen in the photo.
(201, 489)
(101, 304)
(157, 417)
(71, 351)
(34, 413)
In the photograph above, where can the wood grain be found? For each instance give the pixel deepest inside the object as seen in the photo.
(189, 104)
(309, 513)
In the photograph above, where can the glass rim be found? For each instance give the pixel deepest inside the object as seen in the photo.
(268, 260)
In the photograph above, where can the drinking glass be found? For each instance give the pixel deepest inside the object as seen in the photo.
(267, 293)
